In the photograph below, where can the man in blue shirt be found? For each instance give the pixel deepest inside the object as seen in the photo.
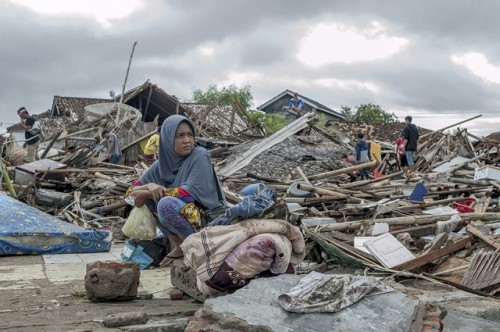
(296, 104)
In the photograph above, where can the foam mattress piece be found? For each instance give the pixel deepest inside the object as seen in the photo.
(25, 230)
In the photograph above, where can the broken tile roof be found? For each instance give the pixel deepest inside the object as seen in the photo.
(388, 132)
(278, 161)
(73, 107)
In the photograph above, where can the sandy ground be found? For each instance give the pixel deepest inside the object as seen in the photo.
(42, 293)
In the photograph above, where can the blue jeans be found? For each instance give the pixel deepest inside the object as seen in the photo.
(114, 159)
(409, 158)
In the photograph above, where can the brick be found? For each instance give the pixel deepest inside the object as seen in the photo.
(176, 294)
(112, 281)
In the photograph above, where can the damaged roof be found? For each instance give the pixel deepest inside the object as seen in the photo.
(73, 106)
(308, 101)
(152, 101)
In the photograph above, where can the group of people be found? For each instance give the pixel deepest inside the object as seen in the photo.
(406, 147)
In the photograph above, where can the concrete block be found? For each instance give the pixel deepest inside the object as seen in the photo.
(257, 305)
(125, 318)
(185, 280)
(112, 281)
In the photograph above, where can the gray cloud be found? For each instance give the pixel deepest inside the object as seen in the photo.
(45, 56)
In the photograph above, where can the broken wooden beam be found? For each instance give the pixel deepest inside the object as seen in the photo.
(410, 220)
(424, 259)
(343, 171)
(483, 237)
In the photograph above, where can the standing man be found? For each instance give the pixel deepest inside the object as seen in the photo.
(31, 134)
(114, 151)
(151, 148)
(410, 135)
(296, 104)
(362, 155)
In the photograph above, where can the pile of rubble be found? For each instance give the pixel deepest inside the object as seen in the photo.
(442, 224)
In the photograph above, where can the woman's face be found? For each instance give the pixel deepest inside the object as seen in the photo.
(184, 140)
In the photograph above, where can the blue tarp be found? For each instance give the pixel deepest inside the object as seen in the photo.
(25, 230)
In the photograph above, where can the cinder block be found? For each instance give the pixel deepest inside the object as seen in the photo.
(185, 280)
(112, 281)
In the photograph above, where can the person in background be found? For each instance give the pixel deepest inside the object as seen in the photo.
(180, 185)
(151, 148)
(114, 151)
(31, 134)
(362, 154)
(410, 135)
(400, 152)
(296, 104)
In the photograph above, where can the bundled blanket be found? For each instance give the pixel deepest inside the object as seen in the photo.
(228, 257)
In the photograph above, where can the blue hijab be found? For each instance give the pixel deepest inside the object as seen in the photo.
(193, 173)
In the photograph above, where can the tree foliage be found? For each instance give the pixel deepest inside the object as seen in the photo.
(270, 122)
(240, 97)
(226, 95)
(367, 113)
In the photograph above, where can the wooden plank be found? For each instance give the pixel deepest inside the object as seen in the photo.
(436, 243)
(424, 259)
(417, 231)
(343, 237)
(487, 239)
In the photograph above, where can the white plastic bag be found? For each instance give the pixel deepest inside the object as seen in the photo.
(140, 224)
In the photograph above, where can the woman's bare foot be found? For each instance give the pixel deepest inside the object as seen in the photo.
(171, 256)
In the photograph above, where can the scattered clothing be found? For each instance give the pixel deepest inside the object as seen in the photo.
(319, 292)
(242, 252)
(419, 192)
(401, 152)
(250, 206)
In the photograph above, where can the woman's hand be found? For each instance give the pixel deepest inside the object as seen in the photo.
(157, 191)
(140, 197)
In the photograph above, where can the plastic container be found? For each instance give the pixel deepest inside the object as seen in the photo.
(464, 206)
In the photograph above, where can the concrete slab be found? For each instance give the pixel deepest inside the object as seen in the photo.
(257, 304)
(62, 259)
(20, 260)
(458, 322)
(156, 282)
(21, 272)
(64, 273)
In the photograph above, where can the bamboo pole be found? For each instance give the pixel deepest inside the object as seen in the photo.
(410, 220)
(343, 170)
(368, 182)
(118, 113)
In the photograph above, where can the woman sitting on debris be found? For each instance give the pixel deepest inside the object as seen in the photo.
(180, 183)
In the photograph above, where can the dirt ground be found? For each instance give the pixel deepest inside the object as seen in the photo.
(31, 302)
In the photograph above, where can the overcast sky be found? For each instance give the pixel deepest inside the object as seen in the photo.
(436, 60)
